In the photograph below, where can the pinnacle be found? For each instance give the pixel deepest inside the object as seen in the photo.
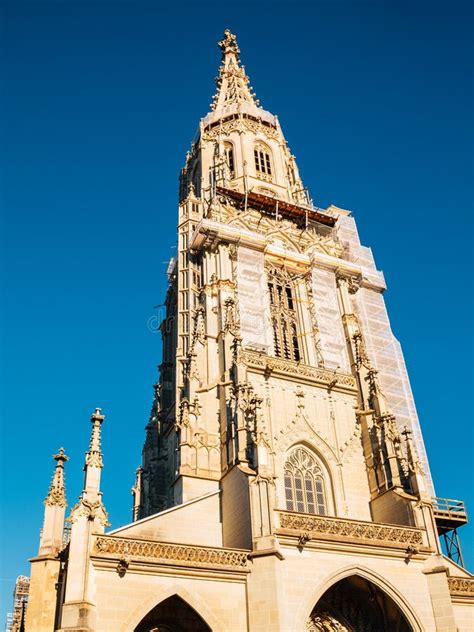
(233, 85)
(56, 492)
(97, 414)
(61, 457)
(229, 43)
(94, 455)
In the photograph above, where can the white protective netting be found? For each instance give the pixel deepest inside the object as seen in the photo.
(331, 332)
(383, 348)
(254, 310)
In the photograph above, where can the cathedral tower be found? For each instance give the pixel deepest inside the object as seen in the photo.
(284, 484)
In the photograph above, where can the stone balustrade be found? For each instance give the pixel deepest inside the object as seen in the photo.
(317, 527)
(302, 371)
(184, 554)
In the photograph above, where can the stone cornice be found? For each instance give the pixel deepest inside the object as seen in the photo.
(301, 372)
(208, 232)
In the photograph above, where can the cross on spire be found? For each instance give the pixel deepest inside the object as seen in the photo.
(232, 82)
(57, 491)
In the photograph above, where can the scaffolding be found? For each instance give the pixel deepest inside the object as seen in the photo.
(331, 333)
(16, 619)
(383, 348)
(449, 515)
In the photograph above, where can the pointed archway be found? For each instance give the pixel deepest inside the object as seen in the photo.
(172, 615)
(354, 604)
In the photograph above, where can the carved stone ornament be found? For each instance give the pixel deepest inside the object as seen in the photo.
(461, 586)
(56, 497)
(325, 622)
(249, 402)
(183, 414)
(303, 240)
(352, 282)
(241, 125)
(231, 323)
(57, 493)
(174, 553)
(90, 510)
(297, 369)
(94, 459)
(318, 526)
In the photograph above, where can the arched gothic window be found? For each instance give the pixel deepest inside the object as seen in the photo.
(263, 163)
(304, 483)
(283, 314)
(229, 157)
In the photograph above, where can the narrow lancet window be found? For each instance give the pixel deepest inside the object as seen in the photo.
(282, 291)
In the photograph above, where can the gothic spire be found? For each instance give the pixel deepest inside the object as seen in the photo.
(93, 462)
(94, 455)
(51, 538)
(90, 502)
(57, 491)
(232, 82)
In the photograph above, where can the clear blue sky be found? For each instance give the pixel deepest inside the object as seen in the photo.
(102, 101)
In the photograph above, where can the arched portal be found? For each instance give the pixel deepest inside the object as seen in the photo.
(173, 615)
(355, 604)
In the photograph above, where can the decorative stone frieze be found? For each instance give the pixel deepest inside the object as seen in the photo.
(277, 231)
(287, 367)
(241, 125)
(181, 553)
(461, 586)
(350, 530)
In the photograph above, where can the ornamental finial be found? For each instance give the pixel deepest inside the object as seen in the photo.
(233, 87)
(229, 44)
(94, 455)
(57, 490)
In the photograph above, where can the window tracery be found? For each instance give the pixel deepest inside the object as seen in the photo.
(304, 483)
(263, 162)
(284, 316)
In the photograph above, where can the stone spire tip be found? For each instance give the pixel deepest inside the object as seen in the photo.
(233, 86)
(57, 490)
(97, 414)
(61, 457)
(229, 43)
(94, 455)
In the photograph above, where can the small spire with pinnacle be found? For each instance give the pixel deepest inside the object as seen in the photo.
(90, 501)
(57, 491)
(93, 461)
(94, 455)
(232, 83)
(54, 508)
